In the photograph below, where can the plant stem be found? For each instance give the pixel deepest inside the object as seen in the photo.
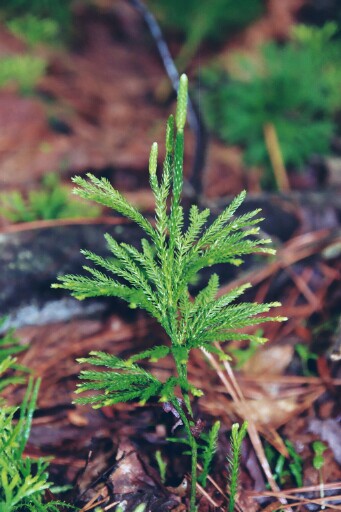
(182, 372)
(321, 488)
(194, 453)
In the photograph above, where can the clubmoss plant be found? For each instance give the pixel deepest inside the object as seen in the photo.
(23, 480)
(156, 278)
(208, 451)
(237, 435)
(293, 88)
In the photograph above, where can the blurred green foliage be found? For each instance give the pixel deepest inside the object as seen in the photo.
(162, 465)
(58, 10)
(306, 356)
(295, 87)
(34, 30)
(319, 12)
(38, 21)
(214, 21)
(10, 372)
(285, 470)
(242, 355)
(22, 70)
(51, 201)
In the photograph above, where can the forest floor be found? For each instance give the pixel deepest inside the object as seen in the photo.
(96, 109)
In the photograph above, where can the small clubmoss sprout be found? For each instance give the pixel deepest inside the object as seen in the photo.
(237, 435)
(210, 447)
(318, 462)
(162, 465)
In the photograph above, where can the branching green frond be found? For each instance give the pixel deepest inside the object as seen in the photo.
(153, 354)
(206, 309)
(228, 251)
(229, 297)
(191, 311)
(197, 220)
(108, 360)
(206, 296)
(241, 226)
(6, 363)
(151, 265)
(167, 390)
(235, 245)
(222, 325)
(12, 379)
(208, 451)
(136, 389)
(102, 192)
(185, 307)
(211, 233)
(83, 287)
(108, 264)
(238, 315)
(147, 262)
(123, 382)
(10, 350)
(130, 271)
(102, 285)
